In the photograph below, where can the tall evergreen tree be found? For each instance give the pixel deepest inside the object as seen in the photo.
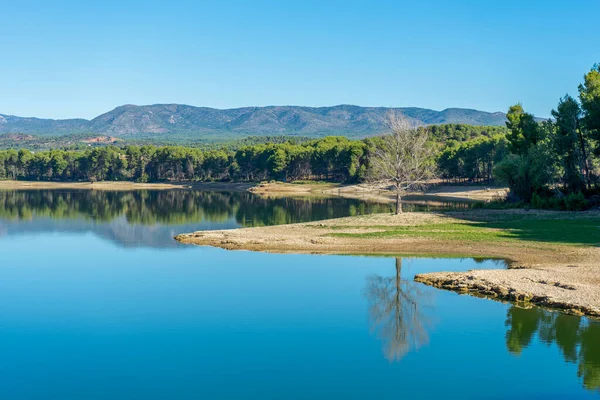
(569, 144)
(589, 94)
(523, 130)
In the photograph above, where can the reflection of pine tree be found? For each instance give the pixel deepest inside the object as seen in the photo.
(563, 330)
(589, 357)
(577, 339)
(397, 313)
(522, 324)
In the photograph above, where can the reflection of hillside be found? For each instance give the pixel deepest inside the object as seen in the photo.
(152, 218)
(577, 338)
(118, 230)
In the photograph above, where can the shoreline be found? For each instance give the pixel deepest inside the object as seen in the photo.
(123, 185)
(550, 274)
(530, 287)
(448, 193)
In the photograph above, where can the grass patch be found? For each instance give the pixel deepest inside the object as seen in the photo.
(442, 256)
(583, 231)
(456, 231)
(306, 182)
(569, 231)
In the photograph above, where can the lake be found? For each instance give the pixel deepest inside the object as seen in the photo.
(97, 301)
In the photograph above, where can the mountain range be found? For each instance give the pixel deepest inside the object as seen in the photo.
(202, 123)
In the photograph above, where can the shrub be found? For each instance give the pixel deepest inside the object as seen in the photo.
(572, 202)
(143, 179)
(538, 201)
(575, 202)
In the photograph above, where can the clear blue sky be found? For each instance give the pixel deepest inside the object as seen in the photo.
(62, 59)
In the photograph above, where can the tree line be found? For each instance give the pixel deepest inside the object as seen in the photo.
(335, 159)
(332, 158)
(555, 161)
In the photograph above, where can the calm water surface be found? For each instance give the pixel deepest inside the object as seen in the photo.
(98, 302)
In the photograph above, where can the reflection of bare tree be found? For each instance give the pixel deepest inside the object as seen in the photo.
(397, 313)
(577, 338)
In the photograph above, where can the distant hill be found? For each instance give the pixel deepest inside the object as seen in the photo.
(38, 126)
(182, 121)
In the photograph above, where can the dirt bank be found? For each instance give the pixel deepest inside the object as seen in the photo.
(543, 271)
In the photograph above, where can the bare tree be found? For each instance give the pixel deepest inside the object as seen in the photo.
(403, 158)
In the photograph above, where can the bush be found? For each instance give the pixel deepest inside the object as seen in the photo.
(143, 179)
(524, 174)
(538, 201)
(572, 202)
(575, 202)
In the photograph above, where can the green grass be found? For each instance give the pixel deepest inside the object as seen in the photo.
(308, 182)
(443, 256)
(570, 231)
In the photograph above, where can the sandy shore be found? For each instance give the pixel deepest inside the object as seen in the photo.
(545, 273)
(472, 192)
(368, 191)
(278, 189)
(31, 185)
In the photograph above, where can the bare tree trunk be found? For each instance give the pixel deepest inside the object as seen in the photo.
(398, 202)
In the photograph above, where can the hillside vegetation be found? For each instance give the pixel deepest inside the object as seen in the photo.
(332, 158)
(183, 122)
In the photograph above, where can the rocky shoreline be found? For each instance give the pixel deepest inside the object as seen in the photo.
(528, 286)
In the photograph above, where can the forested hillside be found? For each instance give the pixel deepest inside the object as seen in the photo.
(181, 122)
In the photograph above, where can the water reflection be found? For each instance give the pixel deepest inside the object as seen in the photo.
(398, 311)
(427, 203)
(174, 207)
(577, 338)
(401, 315)
(152, 218)
(193, 320)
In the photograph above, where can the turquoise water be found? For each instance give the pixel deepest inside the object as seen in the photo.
(90, 308)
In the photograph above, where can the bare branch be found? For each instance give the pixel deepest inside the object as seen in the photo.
(403, 158)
